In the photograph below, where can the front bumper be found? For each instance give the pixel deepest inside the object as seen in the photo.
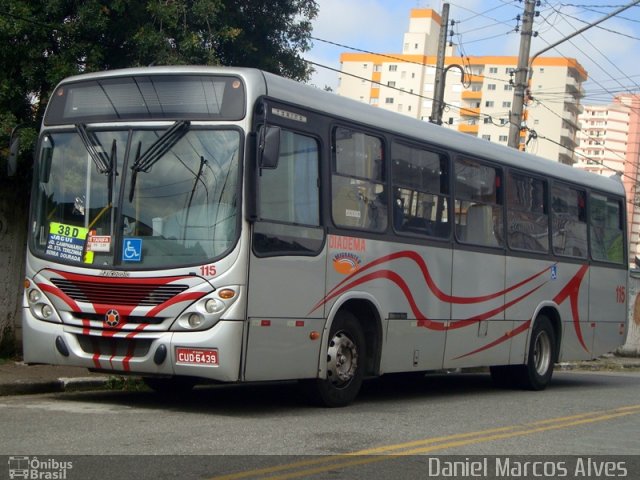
(135, 352)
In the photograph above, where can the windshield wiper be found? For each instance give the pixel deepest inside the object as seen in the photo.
(94, 147)
(156, 151)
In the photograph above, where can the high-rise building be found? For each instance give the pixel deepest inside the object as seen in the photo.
(404, 83)
(609, 144)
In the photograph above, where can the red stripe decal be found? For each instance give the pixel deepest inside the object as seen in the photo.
(442, 296)
(507, 336)
(571, 291)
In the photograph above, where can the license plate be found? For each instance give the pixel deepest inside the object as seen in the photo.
(196, 356)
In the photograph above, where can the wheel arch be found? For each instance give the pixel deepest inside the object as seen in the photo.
(367, 311)
(550, 310)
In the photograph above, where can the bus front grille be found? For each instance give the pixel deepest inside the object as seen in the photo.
(137, 294)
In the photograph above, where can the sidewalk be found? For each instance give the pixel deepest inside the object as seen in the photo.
(17, 378)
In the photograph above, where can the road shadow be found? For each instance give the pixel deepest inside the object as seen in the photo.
(262, 399)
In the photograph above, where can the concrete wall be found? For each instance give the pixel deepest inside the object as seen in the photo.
(13, 238)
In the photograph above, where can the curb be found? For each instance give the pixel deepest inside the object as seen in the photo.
(53, 386)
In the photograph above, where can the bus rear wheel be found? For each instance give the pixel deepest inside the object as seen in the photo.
(536, 373)
(538, 370)
(345, 362)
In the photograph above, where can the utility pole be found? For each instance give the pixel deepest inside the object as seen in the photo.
(438, 87)
(521, 74)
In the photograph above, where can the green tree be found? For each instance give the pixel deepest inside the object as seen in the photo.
(43, 41)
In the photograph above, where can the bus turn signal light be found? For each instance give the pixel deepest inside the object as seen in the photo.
(226, 294)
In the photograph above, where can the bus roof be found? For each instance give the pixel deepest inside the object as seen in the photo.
(290, 91)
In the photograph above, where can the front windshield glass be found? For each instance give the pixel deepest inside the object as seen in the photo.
(95, 207)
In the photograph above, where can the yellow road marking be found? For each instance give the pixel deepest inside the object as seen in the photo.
(387, 452)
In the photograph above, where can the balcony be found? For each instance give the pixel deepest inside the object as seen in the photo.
(574, 88)
(474, 78)
(471, 95)
(469, 128)
(469, 112)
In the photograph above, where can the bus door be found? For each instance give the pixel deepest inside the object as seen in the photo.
(478, 278)
(286, 268)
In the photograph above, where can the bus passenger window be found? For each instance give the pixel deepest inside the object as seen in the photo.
(527, 213)
(359, 198)
(569, 221)
(607, 234)
(421, 185)
(478, 204)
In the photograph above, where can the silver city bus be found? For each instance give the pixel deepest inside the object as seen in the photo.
(229, 225)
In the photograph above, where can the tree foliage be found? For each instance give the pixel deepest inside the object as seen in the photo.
(43, 41)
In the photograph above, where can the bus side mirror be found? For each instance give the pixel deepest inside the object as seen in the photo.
(12, 159)
(269, 148)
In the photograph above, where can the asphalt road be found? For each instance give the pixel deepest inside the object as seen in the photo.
(268, 431)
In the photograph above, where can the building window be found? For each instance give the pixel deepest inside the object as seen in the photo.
(388, 100)
(391, 84)
(488, 104)
(491, 86)
(503, 138)
(506, 104)
(393, 68)
(486, 137)
(374, 101)
(493, 70)
(508, 87)
(365, 66)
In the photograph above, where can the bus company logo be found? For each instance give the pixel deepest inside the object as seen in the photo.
(34, 468)
(346, 262)
(112, 318)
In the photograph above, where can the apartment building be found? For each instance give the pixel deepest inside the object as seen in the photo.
(479, 105)
(609, 143)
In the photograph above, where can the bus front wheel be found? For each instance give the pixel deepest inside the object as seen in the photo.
(345, 362)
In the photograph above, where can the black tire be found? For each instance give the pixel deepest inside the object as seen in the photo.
(537, 372)
(346, 357)
(170, 385)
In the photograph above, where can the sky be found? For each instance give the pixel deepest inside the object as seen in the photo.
(609, 52)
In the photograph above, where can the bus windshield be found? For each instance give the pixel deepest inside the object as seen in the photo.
(136, 199)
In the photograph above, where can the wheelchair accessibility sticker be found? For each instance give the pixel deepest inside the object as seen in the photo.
(132, 250)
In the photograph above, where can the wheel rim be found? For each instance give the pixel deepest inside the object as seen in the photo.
(542, 353)
(342, 359)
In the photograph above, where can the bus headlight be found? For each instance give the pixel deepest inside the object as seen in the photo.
(39, 304)
(214, 305)
(205, 312)
(46, 311)
(195, 320)
(34, 295)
